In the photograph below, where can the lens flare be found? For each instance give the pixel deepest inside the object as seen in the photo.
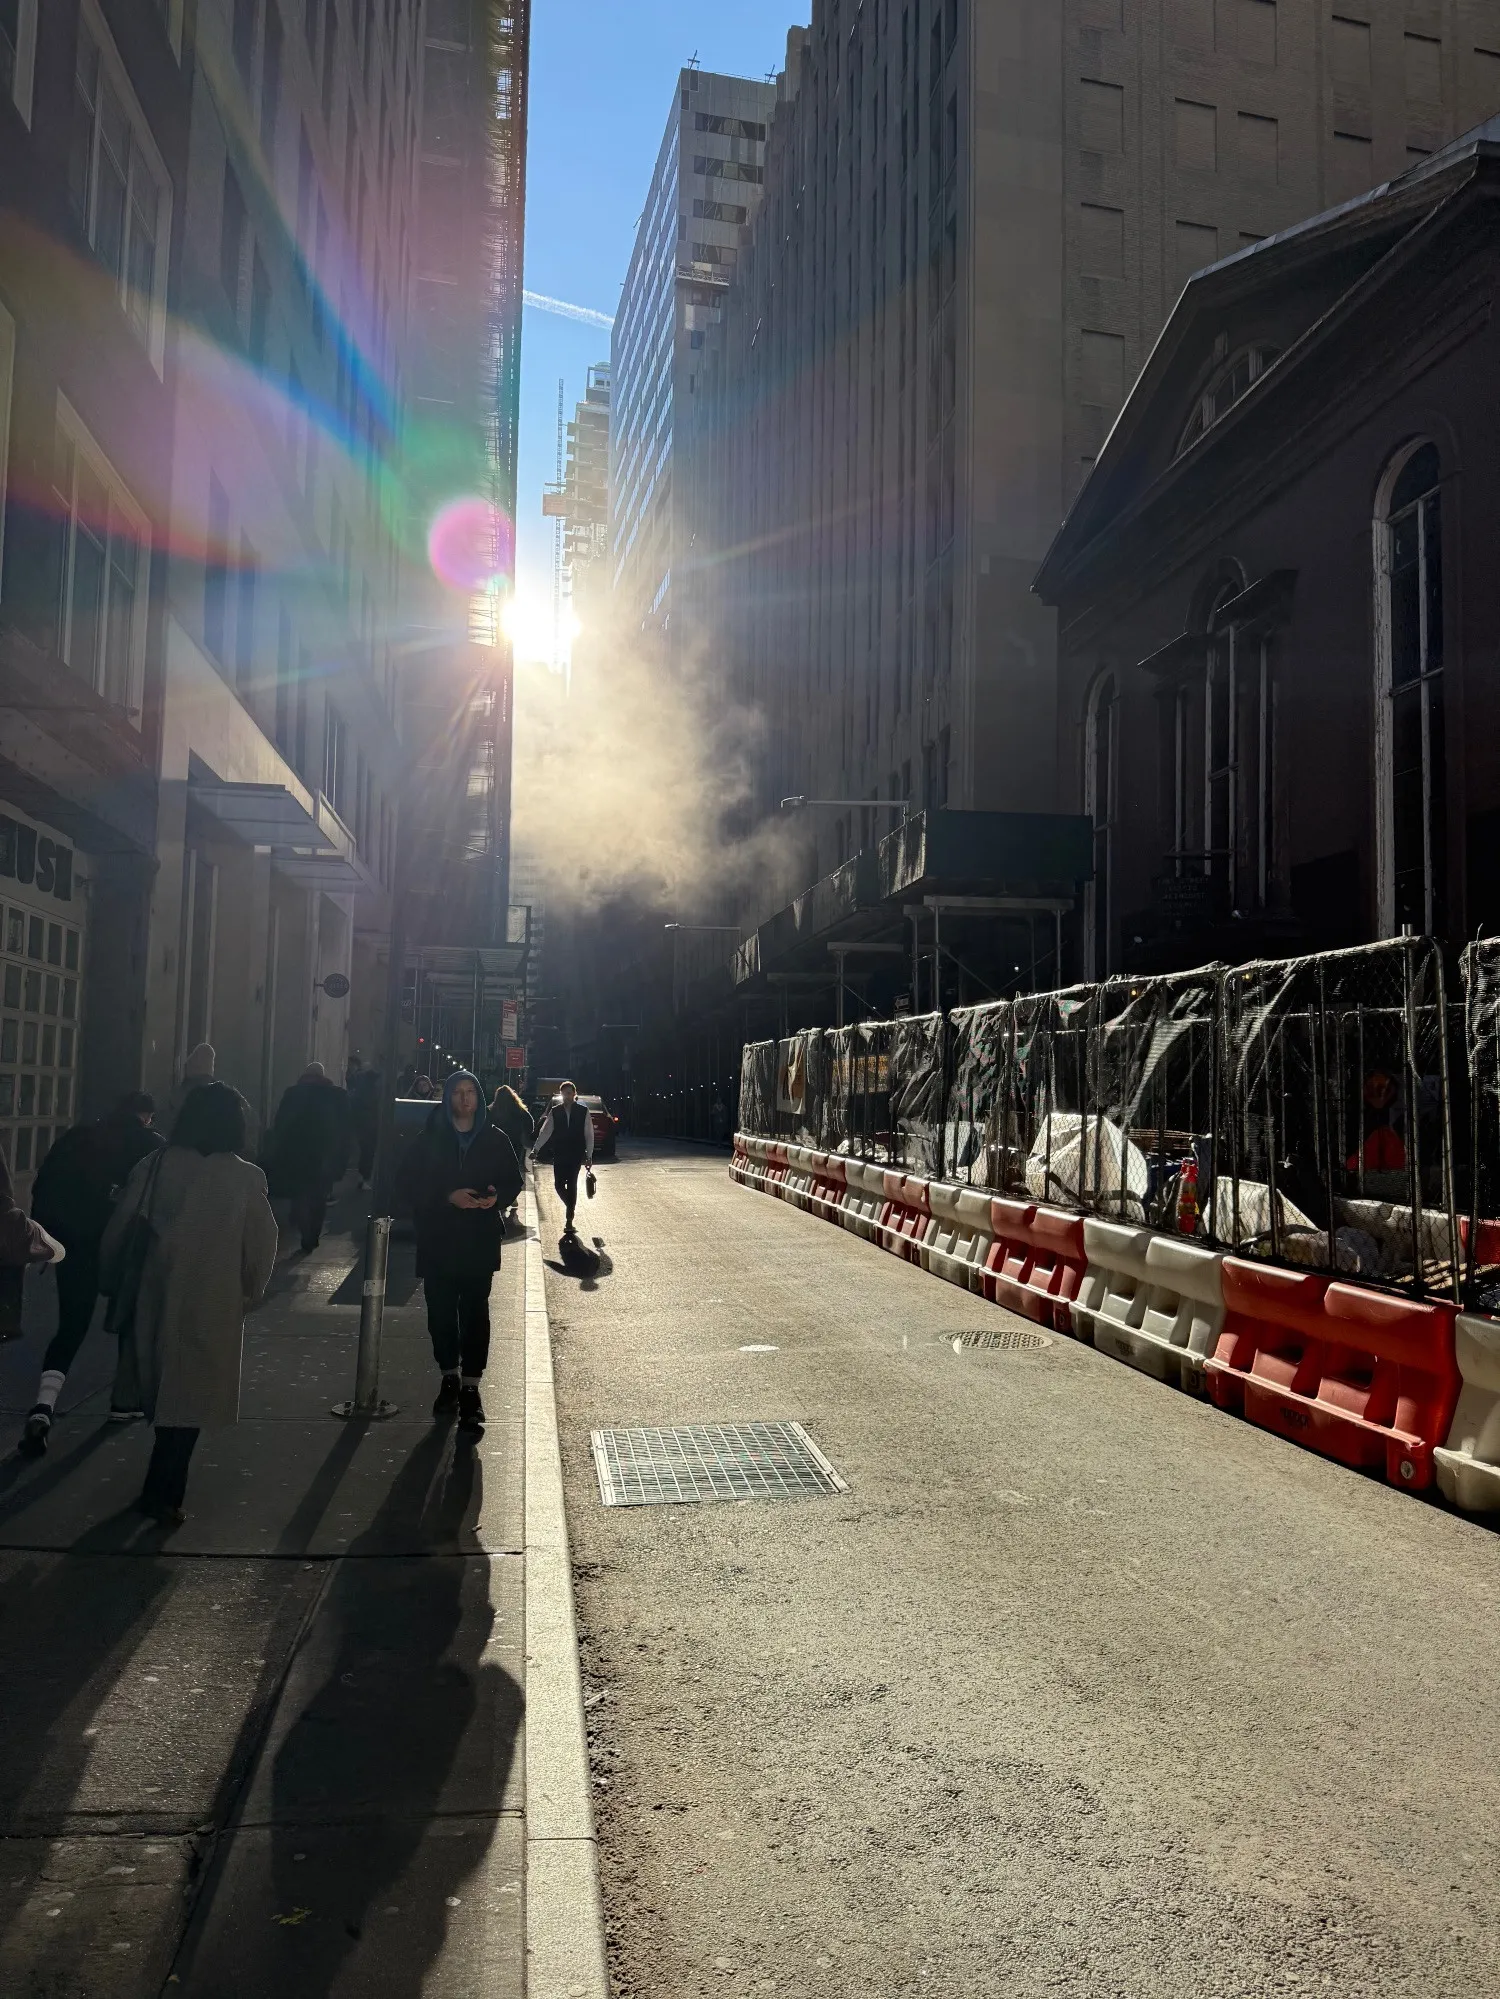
(466, 543)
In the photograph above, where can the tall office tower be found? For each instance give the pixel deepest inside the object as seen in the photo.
(974, 221)
(585, 498)
(705, 190)
(467, 305)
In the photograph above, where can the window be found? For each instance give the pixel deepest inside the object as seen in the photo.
(335, 759)
(7, 371)
(270, 82)
(285, 685)
(1224, 390)
(117, 185)
(713, 169)
(244, 619)
(734, 128)
(1410, 737)
(1349, 53)
(102, 569)
(1351, 166)
(1101, 803)
(216, 572)
(1223, 729)
(720, 211)
(1101, 125)
(1102, 241)
(260, 306)
(1197, 245)
(18, 52)
(242, 37)
(1197, 137)
(1193, 25)
(1257, 23)
(1260, 148)
(231, 238)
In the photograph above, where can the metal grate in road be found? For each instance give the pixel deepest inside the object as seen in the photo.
(996, 1339)
(710, 1461)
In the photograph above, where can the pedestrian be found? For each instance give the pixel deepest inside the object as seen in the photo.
(570, 1130)
(308, 1149)
(458, 1177)
(73, 1197)
(24, 1243)
(427, 1089)
(212, 1251)
(197, 1070)
(363, 1085)
(511, 1115)
(405, 1080)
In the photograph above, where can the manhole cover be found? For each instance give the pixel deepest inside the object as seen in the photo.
(708, 1461)
(996, 1339)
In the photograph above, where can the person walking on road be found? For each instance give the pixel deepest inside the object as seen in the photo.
(308, 1149)
(570, 1131)
(212, 1251)
(363, 1085)
(72, 1198)
(458, 1178)
(512, 1117)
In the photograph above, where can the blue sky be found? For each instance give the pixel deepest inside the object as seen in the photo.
(602, 77)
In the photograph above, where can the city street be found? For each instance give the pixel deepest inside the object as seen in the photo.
(1082, 1689)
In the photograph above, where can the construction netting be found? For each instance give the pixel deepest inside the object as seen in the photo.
(980, 1065)
(758, 1088)
(1481, 1142)
(1299, 1110)
(1332, 1147)
(918, 1087)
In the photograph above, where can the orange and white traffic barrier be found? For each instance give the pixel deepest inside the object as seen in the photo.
(1467, 1466)
(864, 1198)
(960, 1237)
(826, 1195)
(797, 1185)
(1154, 1301)
(905, 1217)
(1366, 1377)
(1036, 1262)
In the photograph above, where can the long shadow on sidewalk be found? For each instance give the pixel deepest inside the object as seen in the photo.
(378, 1792)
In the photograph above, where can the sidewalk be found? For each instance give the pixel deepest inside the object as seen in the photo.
(279, 1751)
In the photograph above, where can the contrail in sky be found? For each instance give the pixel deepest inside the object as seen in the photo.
(563, 310)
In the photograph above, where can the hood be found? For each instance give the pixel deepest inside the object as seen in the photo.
(464, 1076)
(199, 1064)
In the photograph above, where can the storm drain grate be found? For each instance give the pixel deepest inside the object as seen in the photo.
(996, 1339)
(709, 1461)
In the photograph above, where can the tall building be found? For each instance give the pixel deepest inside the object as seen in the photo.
(211, 598)
(585, 499)
(705, 190)
(459, 708)
(974, 222)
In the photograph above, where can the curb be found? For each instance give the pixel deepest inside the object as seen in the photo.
(564, 1913)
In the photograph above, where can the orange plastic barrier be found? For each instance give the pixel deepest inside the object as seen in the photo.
(906, 1216)
(1366, 1377)
(1037, 1262)
(776, 1169)
(826, 1195)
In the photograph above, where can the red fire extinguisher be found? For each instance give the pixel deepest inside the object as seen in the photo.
(1187, 1199)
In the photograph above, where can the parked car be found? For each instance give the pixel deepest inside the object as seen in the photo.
(606, 1126)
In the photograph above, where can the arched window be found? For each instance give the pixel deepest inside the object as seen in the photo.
(1101, 767)
(1411, 760)
(1224, 389)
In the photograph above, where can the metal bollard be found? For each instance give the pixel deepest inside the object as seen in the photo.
(367, 1403)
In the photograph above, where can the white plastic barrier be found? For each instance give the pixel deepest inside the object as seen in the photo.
(797, 1186)
(959, 1239)
(1468, 1467)
(826, 1195)
(864, 1197)
(753, 1173)
(1153, 1301)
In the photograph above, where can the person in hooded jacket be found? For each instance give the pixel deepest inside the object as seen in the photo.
(511, 1115)
(458, 1177)
(73, 1197)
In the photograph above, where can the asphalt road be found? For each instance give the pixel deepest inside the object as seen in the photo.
(1082, 1689)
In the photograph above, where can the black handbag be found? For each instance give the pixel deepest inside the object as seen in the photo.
(135, 1247)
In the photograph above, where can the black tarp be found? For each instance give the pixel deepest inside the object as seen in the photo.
(918, 1078)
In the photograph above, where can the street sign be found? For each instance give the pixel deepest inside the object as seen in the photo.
(515, 1058)
(336, 986)
(510, 1020)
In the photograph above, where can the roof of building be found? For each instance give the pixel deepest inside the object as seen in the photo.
(1378, 222)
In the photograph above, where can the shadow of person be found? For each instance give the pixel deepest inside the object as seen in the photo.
(379, 1798)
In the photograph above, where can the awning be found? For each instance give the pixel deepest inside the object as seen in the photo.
(308, 842)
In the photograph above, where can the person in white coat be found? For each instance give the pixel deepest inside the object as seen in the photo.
(212, 1257)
